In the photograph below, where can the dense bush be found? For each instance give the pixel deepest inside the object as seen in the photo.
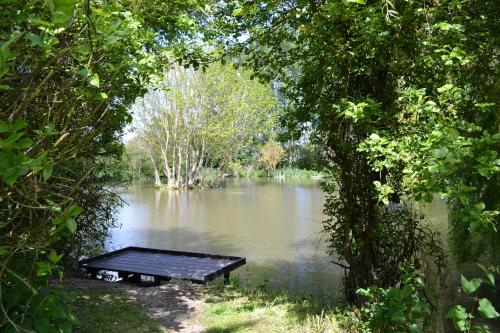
(403, 308)
(68, 71)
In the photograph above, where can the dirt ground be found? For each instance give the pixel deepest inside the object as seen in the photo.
(177, 306)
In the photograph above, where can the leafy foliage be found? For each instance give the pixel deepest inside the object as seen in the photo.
(339, 64)
(68, 71)
(463, 319)
(205, 118)
(270, 155)
(397, 309)
(402, 96)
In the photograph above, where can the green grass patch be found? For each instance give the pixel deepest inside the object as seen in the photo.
(231, 309)
(210, 177)
(295, 174)
(104, 312)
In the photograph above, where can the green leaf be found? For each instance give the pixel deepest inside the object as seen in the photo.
(47, 171)
(4, 126)
(397, 315)
(444, 88)
(491, 278)
(480, 206)
(459, 317)
(3, 250)
(443, 26)
(441, 152)
(19, 125)
(10, 175)
(481, 329)
(24, 143)
(62, 10)
(44, 268)
(470, 286)
(42, 325)
(4, 56)
(13, 137)
(54, 258)
(71, 225)
(237, 12)
(35, 39)
(414, 328)
(487, 310)
(74, 210)
(54, 206)
(94, 80)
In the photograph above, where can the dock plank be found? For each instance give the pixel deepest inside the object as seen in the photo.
(197, 267)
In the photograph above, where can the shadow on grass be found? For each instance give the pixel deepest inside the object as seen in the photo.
(110, 312)
(231, 327)
(105, 306)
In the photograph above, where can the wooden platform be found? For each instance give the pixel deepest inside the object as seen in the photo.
(133, 262)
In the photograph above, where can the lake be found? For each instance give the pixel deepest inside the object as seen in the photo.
(276, 225)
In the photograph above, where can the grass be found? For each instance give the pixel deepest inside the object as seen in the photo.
(295, 174)
(286, 173)
(104, 312)
(228, 309)
(232, 309)
(209, 177)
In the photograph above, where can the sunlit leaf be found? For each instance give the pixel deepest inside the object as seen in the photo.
(459, 317)
(487, 310)
(94, 80)
(470, 286)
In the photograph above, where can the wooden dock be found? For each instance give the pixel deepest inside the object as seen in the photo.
(133, 262)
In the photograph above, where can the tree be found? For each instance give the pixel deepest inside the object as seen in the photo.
(138, 158)
(270, 155)
(378, 84)
(68, 72)
(202, 118)
(341, 81)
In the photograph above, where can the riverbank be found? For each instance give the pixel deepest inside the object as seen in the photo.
(185, 307)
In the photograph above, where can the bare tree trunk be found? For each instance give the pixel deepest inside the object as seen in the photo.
(179, 165)
(153, 164)
(186, 164)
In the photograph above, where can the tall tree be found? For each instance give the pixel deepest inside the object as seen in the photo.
(202, 118)
(359, 70)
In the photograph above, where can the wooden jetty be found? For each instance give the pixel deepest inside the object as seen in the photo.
(133, 262)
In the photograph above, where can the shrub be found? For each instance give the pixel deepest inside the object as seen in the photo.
(210, 177)
(397, 309)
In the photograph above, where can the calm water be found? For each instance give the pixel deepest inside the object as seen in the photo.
(275, 225)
